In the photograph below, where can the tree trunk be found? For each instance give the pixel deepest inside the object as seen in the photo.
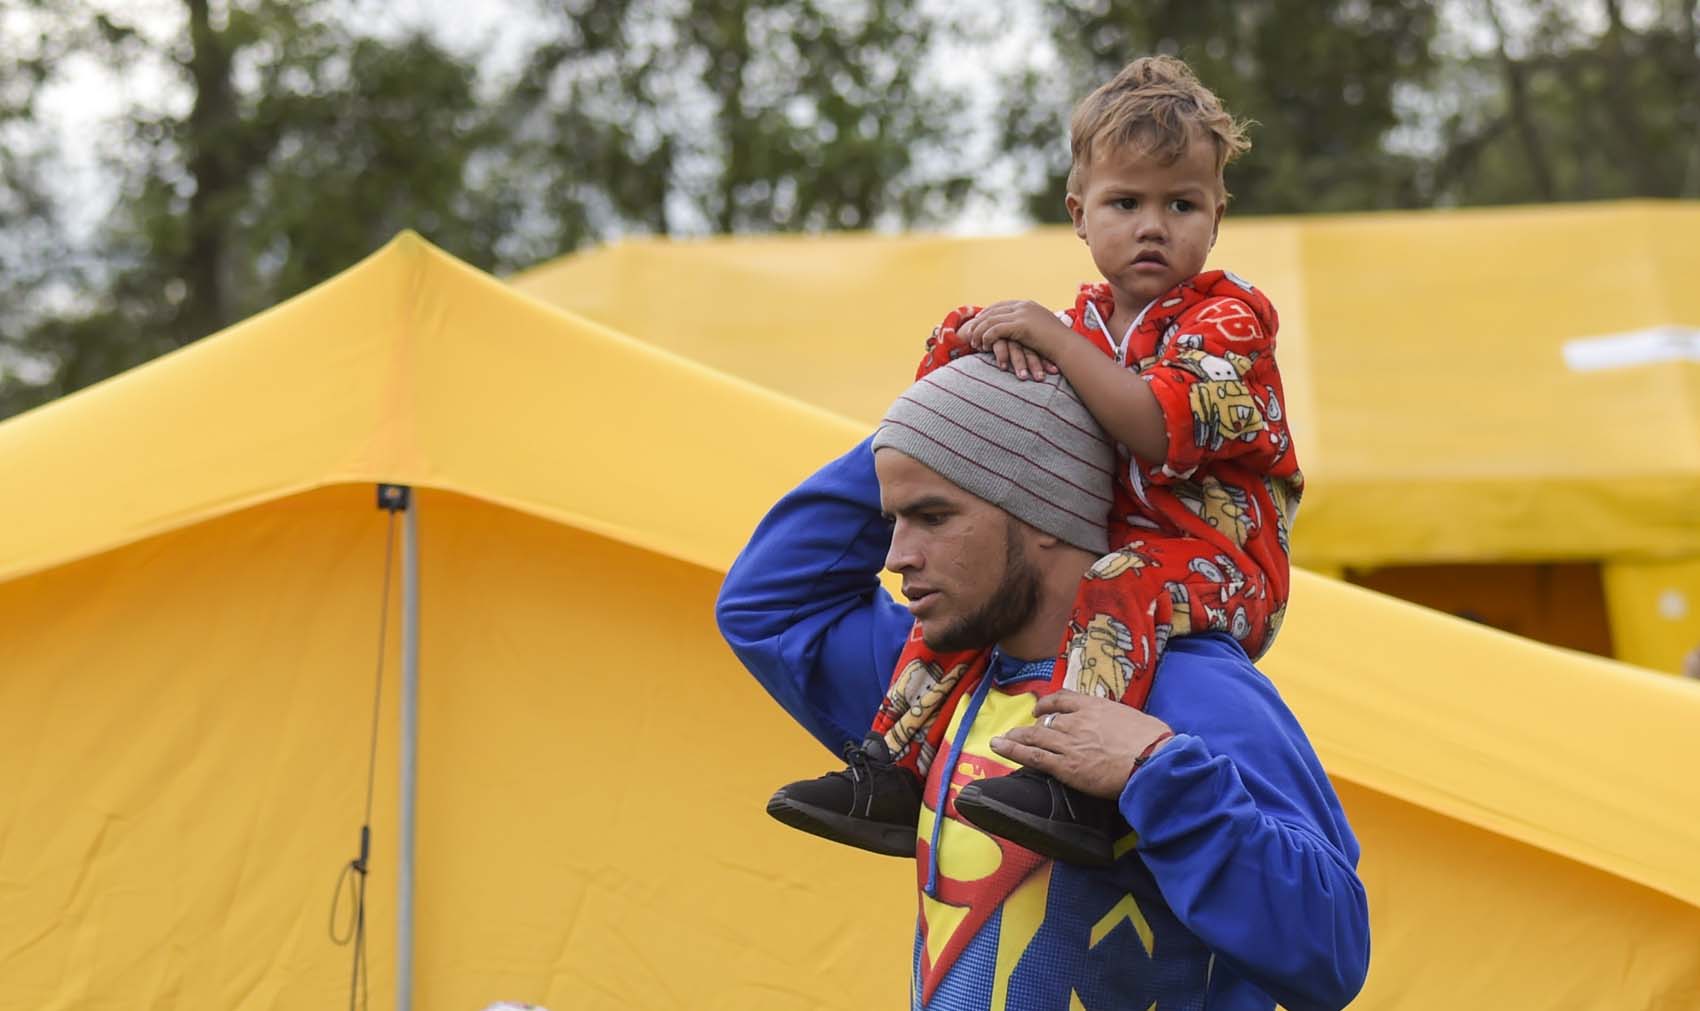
(1624, 116)
(1691, 107)
(1459, 159)
(210, 141)
(1517, 94)
(729, 57)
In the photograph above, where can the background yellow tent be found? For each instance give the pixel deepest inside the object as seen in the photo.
(1464, 387)
(190, 568)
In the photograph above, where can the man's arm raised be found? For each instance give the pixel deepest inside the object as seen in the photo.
(802, 606)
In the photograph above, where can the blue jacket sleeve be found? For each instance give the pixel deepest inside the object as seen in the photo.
(1243, 832)
(802, 606)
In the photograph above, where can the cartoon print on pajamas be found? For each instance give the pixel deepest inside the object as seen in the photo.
(1286, 501)
(1098, 657)
(1230, 367)
(914, 701)
(1180, 613)
(1230, 583)
(1231, 317)
(1136, 600)
(1225, 509)
(1117, 562)
(1223, 411)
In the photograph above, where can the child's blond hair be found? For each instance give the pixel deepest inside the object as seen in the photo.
(1156, 102)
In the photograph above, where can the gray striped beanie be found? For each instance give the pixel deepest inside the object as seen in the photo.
(1029, 447)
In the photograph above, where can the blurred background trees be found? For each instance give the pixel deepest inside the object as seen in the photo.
(1321, 80)
(259, 146)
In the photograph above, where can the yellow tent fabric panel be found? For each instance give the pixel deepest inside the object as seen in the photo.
(1675, 256)
(185, 723)
(1560, 750)
(1655, 611)
(596, 764)
(1434, 412)
(1452, 427)
(1499, 925)
(592, 769)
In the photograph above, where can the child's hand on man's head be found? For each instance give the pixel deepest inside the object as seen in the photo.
(1024, 362)
(1023, 336)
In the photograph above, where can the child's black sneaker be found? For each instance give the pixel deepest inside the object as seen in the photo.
(1035, 811)
(873, 804)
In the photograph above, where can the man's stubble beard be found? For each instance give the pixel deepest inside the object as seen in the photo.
(1003, 614)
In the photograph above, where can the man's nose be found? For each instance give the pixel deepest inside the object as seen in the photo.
(902, 556)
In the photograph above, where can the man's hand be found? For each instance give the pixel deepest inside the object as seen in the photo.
(1024, 336)
(1087, 742)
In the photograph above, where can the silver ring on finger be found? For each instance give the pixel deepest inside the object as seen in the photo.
(1048, 720)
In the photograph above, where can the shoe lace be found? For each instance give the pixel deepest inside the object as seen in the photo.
(857, 760)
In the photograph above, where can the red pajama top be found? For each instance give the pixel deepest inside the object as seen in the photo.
(1206, 348)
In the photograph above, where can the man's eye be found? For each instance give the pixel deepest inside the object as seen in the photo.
(932, 519)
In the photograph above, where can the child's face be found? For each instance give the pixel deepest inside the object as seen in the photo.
(1149, 226)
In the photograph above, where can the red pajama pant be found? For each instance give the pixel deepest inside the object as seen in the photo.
(1131, 602)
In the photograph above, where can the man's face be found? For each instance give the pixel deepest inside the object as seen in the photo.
(1150, 226)
(963, 560)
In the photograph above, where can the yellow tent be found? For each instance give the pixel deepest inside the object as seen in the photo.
(190, 568)
(1464, 386)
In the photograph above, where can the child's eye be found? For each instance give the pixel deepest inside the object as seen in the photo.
(1181, 206)
(1125, 204)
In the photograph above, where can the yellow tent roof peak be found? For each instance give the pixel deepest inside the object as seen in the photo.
(409, 367)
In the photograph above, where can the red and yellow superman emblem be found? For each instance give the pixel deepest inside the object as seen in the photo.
(977, 871)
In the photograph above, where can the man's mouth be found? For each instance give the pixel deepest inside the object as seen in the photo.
(920, 598)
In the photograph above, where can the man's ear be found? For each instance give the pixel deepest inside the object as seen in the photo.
(1077, 214)
(1028, 535)
(1040, 539)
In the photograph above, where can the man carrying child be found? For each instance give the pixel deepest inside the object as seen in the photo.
(1198, 855)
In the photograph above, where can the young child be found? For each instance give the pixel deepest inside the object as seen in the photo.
(1178, 367)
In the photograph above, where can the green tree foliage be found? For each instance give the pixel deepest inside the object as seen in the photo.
(1566, 101)
(737, 115)
(1320, 79)
(303, 147)
(33, 247)
(304, 144)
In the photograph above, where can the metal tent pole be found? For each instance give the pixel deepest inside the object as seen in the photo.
(409, 750)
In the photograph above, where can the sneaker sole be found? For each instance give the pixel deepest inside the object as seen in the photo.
(1041, 835)
(886, 840)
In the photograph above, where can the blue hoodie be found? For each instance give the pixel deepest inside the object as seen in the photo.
(1241, 889)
